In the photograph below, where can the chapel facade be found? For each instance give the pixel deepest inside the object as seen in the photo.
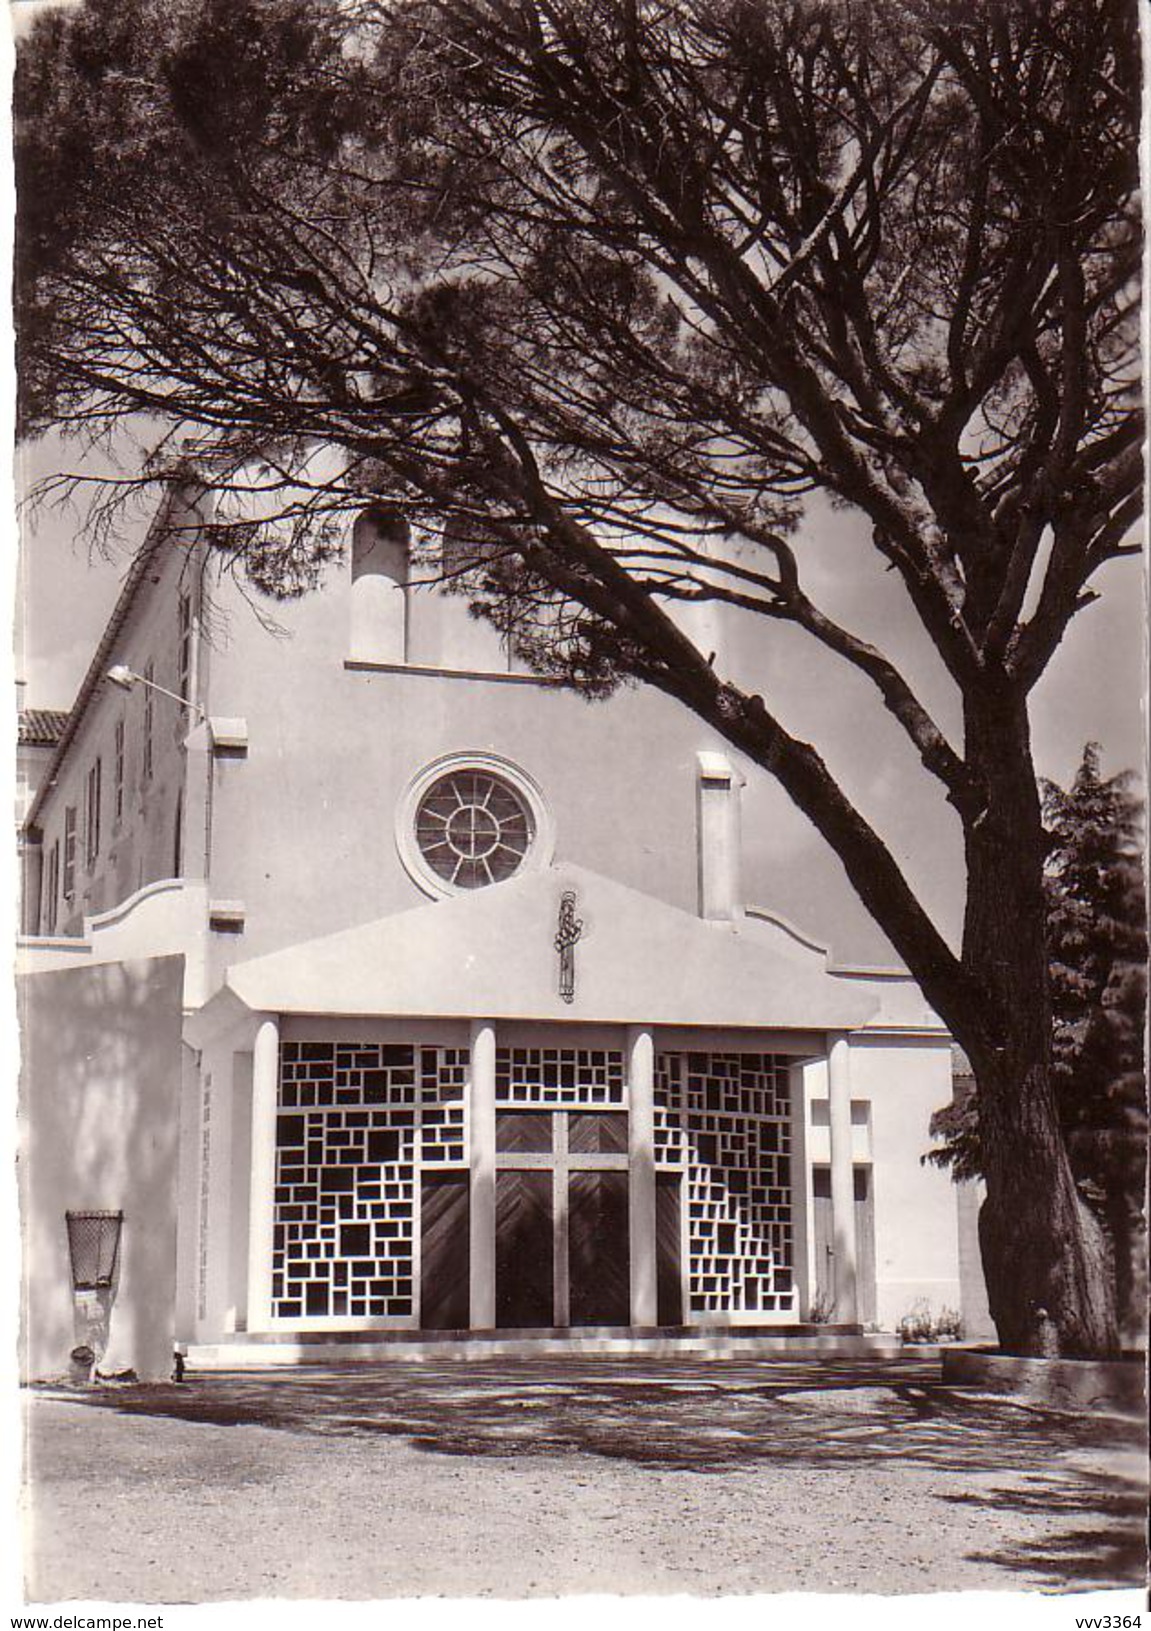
(478, 1027)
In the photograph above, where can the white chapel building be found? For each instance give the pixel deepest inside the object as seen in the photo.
(378, 994)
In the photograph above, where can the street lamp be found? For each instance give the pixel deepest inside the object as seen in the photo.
(123, 676)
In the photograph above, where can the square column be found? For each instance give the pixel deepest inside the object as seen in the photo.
(842, 1180)
(802, 1278)
(482, 1222)
(196, 828)
(262, 1192)
(641, 1175)
(31, 861)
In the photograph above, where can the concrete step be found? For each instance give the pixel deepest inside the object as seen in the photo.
(269, 1350)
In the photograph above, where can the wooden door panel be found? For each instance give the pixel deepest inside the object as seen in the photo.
(598, 1131)
(865, 1245)
(444, 1241)
(598, 1251)
(525, 1277)
(525, 1130)
(668, 1249)
(824, 1242)
(865, 1288)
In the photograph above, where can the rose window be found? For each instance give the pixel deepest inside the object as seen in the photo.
(473, 828)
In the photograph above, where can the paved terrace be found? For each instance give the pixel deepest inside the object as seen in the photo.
(541, 1477)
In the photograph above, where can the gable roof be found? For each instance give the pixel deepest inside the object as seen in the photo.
(157, 536)
(491, 954)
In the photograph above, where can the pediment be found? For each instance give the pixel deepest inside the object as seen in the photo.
(492, 954)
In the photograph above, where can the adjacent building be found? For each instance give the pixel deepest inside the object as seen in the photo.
(38, 730)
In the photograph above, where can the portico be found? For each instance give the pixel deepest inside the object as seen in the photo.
(436, 1146)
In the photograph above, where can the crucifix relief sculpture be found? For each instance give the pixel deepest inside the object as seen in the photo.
(568, 930)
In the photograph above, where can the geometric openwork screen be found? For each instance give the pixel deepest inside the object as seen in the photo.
(358, 1124)
(723, 1121)
(94, 1248)
(577, 1077)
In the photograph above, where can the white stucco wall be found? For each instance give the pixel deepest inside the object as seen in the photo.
(168, 918)
(896, 1085)
(916, 1235)
(303, 821)
(99, 1126)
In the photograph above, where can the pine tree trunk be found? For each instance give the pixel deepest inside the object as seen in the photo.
(1046, 1258)
(1047, 1261)
(1129, 1245)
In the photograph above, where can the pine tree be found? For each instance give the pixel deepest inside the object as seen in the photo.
(611, 289)
(1097, 940)
(1097, 960)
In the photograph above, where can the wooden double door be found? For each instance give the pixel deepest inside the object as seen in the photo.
(562, 1246)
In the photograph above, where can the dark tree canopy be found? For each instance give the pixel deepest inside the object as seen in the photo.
(1097, 947)
(1097, 936)
(611, 287)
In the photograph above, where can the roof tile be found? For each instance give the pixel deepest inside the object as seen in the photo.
(41, 727)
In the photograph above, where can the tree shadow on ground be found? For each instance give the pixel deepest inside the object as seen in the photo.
(698, 1416)
(722, 1417)
(1105, 1545)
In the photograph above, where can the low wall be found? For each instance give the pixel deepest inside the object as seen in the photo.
(1062, 1384)
(99, 1130)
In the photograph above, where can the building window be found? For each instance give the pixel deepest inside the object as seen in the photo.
(184, 648)
(69, 886)
(471, 560)
(118, 783)
(51, 889)
(178, 840)
(466, 548)
(473, 828)
(149, 717)
(381, 543)
(472, 820)
(92, 815)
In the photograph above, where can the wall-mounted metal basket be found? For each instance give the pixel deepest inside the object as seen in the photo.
(94, 1247)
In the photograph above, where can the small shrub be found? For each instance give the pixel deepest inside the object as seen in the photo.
(920, 1325)
(949, 1325)
(822, 1308)
(917, 1324)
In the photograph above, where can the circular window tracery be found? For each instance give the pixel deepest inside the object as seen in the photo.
(473, 829)
(469, 820)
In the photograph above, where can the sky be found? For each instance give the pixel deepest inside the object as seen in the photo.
(64, 591)
(1094, 691)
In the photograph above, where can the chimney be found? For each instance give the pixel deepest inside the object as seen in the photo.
(718, 837)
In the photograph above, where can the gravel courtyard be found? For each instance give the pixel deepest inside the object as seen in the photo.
(539, 1477)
